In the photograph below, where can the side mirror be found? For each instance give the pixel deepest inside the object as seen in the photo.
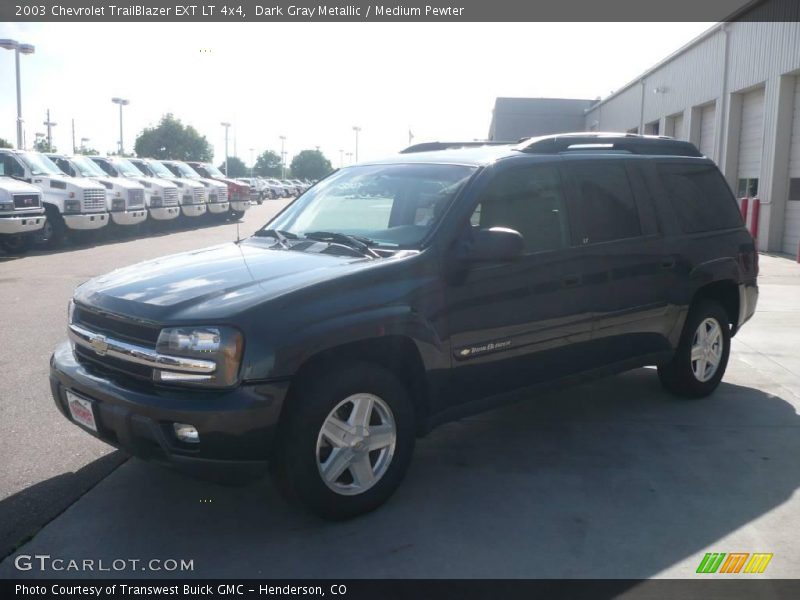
(495, 244)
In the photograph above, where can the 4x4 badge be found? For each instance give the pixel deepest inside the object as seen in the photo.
(99, 344)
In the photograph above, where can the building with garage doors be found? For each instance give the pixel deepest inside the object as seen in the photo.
(734, 92)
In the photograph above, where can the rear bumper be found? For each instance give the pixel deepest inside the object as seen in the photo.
(86, 221)
(165, 213)
(748, 299)
(236, 427)
(129, 217)
(21, 224)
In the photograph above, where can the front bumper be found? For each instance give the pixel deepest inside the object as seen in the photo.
(21, 224)
(86, 221)
(240, 206)
(165, 213)
(217, 208)
(193, 210)
(129, 217)
(236, 427)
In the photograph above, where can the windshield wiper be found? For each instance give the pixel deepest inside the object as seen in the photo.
(278, 234)
(357, 242)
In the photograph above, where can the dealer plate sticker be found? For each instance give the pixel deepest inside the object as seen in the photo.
(81, 410)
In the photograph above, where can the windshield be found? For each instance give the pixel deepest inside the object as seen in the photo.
(39, 164)
(183, 170)
(393, 205)
(127, 168)
(213, 171)
(159, 170)
(86, 167)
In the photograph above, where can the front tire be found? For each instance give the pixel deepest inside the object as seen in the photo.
(702, 355)
(54, 231)
(346, 442)
(17, 244)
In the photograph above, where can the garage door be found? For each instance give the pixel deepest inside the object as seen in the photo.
(707, 117)
(791, 228)
(677, 127)
(751, 138)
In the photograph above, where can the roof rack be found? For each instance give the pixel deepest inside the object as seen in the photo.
(431, 146)
(609, 142)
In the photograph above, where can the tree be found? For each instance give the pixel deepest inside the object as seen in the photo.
(88, 151)
(236, 167)
(268, 164)
(311, 164)
(172, 140)
(5, 143)
(41, 145)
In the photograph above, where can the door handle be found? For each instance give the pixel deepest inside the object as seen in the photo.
(668, 263)
(571, 280)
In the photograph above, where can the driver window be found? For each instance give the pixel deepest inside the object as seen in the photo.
(529, 200)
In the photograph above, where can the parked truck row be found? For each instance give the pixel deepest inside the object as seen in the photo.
(45, 198)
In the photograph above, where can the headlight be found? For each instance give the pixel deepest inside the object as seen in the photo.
(70, 311)
(72, 206)
(221, 345)
(6, 206)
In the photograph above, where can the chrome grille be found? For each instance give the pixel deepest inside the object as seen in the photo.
(222, 194)
(94, 200)
(26, 201)
(199, 195)
(170, 197)
(135, 198)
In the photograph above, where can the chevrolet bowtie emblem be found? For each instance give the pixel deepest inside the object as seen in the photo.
(99, 344)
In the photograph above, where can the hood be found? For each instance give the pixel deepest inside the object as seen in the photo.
(82, 183)
(212, 183)
(150, 182)
(14, 186)
(125, 184)
(186, 182)
(210, 284)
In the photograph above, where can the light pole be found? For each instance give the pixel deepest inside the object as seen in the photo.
(356, 128)
(18, 49)
(341, 158)
(49, 124)
(83, 144)
(252, 164)
(226, 126)
(283, 157)
(349, 157)
(122, 102)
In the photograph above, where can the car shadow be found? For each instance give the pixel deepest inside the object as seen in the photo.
(612, 479)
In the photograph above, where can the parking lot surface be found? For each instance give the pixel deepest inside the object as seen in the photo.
(613, 479)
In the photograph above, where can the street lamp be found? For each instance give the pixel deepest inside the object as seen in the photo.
(18, 49)
(83, 144)
(356, 128)
(283, 157)
(226, 126)
(341, 158)
(122, 102)
(252, 164)
(49, 124)
(349, 157)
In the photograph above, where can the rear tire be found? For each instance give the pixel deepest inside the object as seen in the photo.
(355, 419)
(17, 244)
(701, 358)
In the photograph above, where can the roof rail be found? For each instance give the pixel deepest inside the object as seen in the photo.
(614, 142)
(431, 146)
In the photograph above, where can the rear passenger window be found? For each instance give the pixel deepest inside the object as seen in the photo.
(603, 207)
(529, 200)
(700, 197)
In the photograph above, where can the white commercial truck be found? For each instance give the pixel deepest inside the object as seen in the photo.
(125, 197)
(216, 191)
(71, 204)
(192, 193)
(21, 214)
(160, 195)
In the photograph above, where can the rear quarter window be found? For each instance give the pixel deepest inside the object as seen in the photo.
(699, 197)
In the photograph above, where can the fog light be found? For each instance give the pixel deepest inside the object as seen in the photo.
(186, 433)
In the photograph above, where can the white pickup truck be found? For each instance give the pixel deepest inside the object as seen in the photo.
(217, 192)
(71, 204)
(125, 197)
(160, 195)
(192, 193)
(21, 214)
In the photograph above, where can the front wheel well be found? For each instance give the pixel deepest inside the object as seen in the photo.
(395, 353)
(727, 294)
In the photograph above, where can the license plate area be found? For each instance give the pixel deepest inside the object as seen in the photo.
(81, 410)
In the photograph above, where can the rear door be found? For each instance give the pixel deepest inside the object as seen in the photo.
(612, 218)
(517, 323)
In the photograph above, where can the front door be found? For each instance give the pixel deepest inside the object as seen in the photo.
(513, 324)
